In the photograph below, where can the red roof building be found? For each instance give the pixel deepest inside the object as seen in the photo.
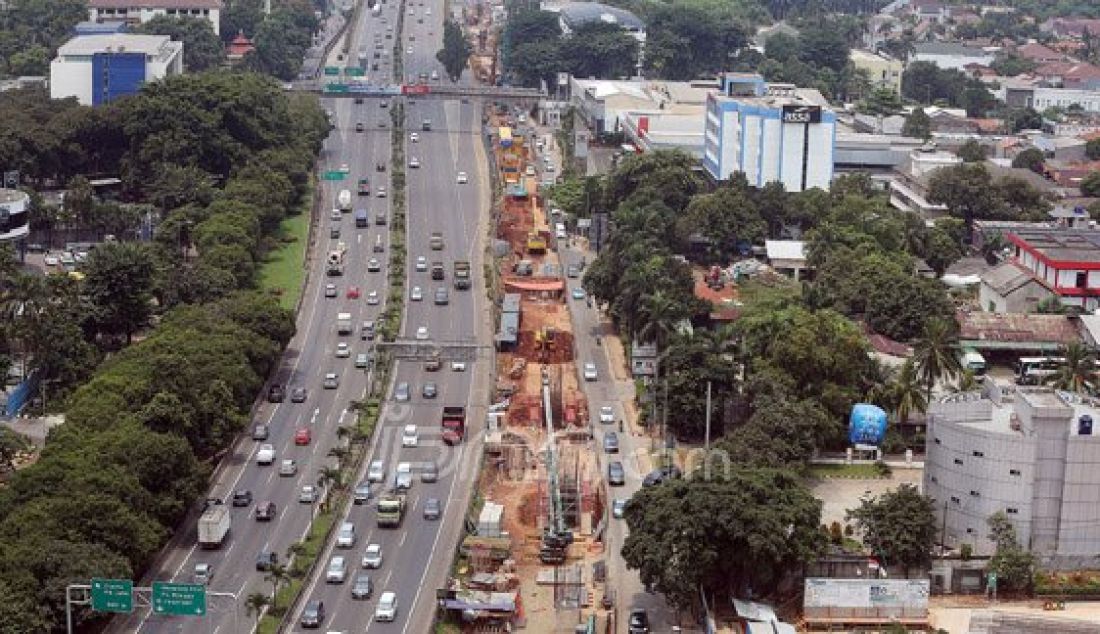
(1039, 53)
(239, 47)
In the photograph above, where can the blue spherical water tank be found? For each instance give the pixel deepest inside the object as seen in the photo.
(867, 424)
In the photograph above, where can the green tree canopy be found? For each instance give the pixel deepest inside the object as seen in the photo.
(455, 52)
(202, 48)
(898, 526)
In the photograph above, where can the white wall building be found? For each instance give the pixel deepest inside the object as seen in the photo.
(950, 55)
(770, 132)
(97, 69)
(14, 219)
(141, 11)
(1043, 98)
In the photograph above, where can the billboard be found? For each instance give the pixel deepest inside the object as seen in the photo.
(867, 424)
(867, 594)
(793, 113)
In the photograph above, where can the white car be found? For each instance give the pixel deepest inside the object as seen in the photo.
(530, 171)
(52, 260)
(414, 137)
(342, 350)
(380, 192)
(409, 51)
(414, 162)
(372, 557)
(428, 11)
(410, 437)
(590, 372)
(421, 263)
(266, 454)
(458, 366)
(386, 610)
(416, 294)
(377, 471)
(344, 168)
(403, 479)
(422, 333)
(462, 178)
(288, 468)
(337, 570)
(372, 298)
(330, 290)
(607, 414)
(308, 494)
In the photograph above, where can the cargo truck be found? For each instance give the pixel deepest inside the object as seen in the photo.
(462, 274)
(391, 510)
(213, 526)
(343, 323)
(436, 241)
(454, 424)
(343, 201)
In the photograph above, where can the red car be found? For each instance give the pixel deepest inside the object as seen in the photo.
(353, 292)
(302, 436)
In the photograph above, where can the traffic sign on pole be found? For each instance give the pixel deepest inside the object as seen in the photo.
(332, 70)
(334, 175)
(113, 595)
(179, 599)
(354, 71)
(336, 87)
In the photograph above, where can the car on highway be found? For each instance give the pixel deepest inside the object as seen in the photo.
(607, 414)
(260, 431)
(331, 381)
(409, 50)
(313, 614)
(442, 296)
(590, 373)
(362, 360)
(422, 333)
(266, 454)
(421, 263)
(362, 588)
(611, 442)
(414, 137)
(433, 509)
(359, 127)
(276, 393)
(401, 392)
(364, 187)
(416, 294)
(616, 476)
(362, 493)
(288, 468)
(386, 610)
(343, 351)
(330, 290)
(298, 395)
(429, 472)
(265, 511)
(403, 480)
(202, 574)
(337, 570)
(638, 622)
(353, 292)
(373, 265)
(372, 298)
(578, 293)
(429, 390)
(573, 271)
(462, 178)
(659, 475)
(618, 507)
(414, 163)
(302, 436)
(410, 437)
(308, 494)
(372, 556)
(242, 497)
(366, 330)
(266, 560)
(376, 472)
(336, 215)
(380, 192)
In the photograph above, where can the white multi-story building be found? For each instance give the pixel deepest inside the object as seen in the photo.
(97, 69)
(950, 55)
(1029, 453)
(1043, 98)
(770, 132)
(141, 11)
(14, 219)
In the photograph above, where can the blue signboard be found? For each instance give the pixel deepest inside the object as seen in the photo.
(867, 425)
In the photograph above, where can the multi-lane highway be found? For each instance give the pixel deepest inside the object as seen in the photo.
(417, 555)
(309, 356)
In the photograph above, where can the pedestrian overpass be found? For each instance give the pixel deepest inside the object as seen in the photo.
(343, 88)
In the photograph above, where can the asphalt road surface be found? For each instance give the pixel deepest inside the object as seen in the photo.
(417, 555)
(309, 356)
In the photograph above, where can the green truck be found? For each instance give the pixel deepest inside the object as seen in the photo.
(391, 510)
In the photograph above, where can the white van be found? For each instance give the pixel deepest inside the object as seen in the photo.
(345, 537)
(559, 231)
(970, 359)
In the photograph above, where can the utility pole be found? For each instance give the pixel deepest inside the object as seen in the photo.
(706, 440)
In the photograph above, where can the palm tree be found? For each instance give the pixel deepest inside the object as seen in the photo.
(255, 604)
(934, 354)
(1078, 370)
(277, 575)
(908, 393)
(330, 476)
(341, 454)
(968, 382)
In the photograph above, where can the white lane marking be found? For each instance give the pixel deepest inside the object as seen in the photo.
(404, 534)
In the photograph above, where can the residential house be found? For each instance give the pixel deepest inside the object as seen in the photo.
(1070, 27)
(931, 10)
(1039, 53)
(882, 70)
(909, 187)
(1011, 288)
(1069, 74)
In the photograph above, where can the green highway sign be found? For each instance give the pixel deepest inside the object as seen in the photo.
(354, 71)
(113, 595)
(332, 70)
(335, 175)
(179, 599)
(334, 87)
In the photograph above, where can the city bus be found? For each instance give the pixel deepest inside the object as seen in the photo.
(1034, 370)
